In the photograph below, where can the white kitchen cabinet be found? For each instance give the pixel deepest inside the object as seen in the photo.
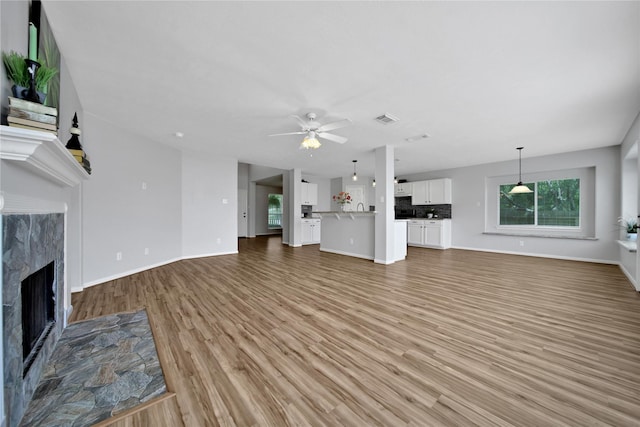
(429, 233)
(432, 192)
(311, 231)
(309, 194)
(402, 189)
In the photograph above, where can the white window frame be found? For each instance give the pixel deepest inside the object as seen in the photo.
(586, 229)
(535, 225)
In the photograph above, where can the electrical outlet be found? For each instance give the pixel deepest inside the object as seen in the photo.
(521, 242)
(218, 240)
(146, 251)
(144, 185)
(118, 256)
(351, 241)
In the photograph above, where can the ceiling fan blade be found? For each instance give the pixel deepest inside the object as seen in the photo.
(303, 124)
(334, 125)
(331, 137)
(289, 133)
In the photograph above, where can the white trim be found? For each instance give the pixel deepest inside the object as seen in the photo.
(295, 246)
(18, 204)
(123, 274)
(41, 153)
(567, 258)
(208, 255)
(333, 251)
(383, 262)
(148, 267)
(631, 279)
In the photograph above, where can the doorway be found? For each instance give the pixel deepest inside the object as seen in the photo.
(242, 213)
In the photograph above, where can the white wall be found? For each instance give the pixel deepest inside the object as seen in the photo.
(468, 210)
(70, 105)
(629, 261)
(209, 205)
(118, 215)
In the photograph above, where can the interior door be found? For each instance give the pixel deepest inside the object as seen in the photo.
(242, 213)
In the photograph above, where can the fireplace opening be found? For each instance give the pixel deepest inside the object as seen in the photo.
(38, 312)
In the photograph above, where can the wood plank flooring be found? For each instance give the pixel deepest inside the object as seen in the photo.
(279, 336)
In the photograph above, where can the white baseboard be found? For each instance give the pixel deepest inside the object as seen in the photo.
(568, 258)
(210, 254)
(384, 262)
(629, 277)
(333, 251)
(145, 268)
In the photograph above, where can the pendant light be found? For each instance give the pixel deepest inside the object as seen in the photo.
(373, 184)
(355, 175)
(520, 187)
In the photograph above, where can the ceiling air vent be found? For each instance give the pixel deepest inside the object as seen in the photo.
(386, 118)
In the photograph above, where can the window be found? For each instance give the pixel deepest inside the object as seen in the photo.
(553, 203)
(274, 211)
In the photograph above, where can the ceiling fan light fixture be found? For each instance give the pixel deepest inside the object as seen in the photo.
(355, 175)
(520, 188)
(310, 141)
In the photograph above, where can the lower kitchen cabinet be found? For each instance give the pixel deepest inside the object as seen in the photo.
(430, 233)
(311, 231)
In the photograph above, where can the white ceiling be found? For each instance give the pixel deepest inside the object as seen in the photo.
(481, 78)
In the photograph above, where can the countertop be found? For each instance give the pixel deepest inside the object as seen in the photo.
(345, 212)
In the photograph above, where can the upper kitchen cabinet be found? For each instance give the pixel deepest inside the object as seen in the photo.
(402, 189)
(432, 192)
(309, 194)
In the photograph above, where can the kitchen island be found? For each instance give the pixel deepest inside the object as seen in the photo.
(352, 233)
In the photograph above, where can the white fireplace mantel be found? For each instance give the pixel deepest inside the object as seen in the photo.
(42, 153)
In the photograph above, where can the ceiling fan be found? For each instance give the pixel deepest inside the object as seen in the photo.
(314, 130)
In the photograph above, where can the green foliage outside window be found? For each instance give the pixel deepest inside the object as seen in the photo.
(274, 211)
(553, 203)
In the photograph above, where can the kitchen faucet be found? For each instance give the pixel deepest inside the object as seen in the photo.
(358, 207)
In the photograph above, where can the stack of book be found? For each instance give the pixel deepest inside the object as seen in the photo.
(82, 158)
(30, 115)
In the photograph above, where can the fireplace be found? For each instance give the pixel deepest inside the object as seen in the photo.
(38, 316)
(32, 286)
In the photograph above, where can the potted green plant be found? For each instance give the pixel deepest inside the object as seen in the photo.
(630, 226)
(16, 67)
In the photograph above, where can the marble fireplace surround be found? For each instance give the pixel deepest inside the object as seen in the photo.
(34, 233)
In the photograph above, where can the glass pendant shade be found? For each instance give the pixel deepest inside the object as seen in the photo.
(310, 141)
(355, 175)
(520, 188)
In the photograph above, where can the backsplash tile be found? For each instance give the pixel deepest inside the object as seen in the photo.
(441, 211)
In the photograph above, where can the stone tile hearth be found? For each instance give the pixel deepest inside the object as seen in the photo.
(29, 242)
(99, 368)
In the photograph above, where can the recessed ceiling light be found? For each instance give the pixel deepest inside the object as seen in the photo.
(179, 134)
(386, 119)
(417, 137)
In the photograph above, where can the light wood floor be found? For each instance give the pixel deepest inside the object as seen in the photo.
(277, 336)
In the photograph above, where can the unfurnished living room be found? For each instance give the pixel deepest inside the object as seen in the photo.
(320, 213)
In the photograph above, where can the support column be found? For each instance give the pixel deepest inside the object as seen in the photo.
(385, 217)
(295, 206)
